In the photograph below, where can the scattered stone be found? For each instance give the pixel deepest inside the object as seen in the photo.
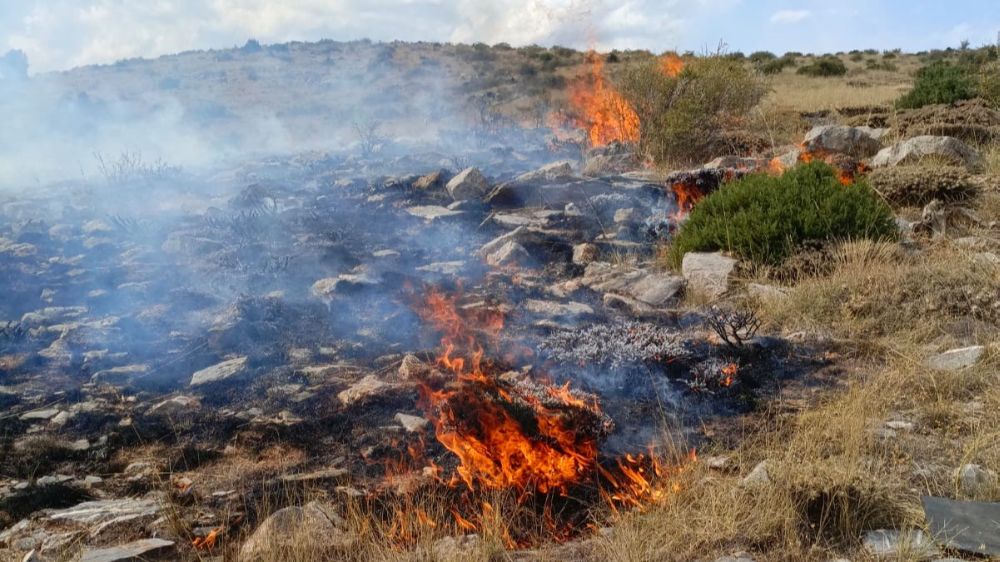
(468, 184)
(899, 425)
(956, 359)
(975, 481)
(132, 551)
(655, 289)
(858, 142)
(176, 406)
(628, 215)
(708, 273)
(98, 515)
(556, 171)
(412, 368)
(412, 424)
(433, 180)
(761, 291)
(343, 284)
(365, 388)
(511, 253)
(40, 415)
(449, 268)
(913, 544)
(555, 310)
(291, 529)
(431, 213)
(119, 375)
(758, 476)
(917, 148)
(220, 371)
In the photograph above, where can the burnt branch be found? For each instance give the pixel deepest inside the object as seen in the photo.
(734, 327)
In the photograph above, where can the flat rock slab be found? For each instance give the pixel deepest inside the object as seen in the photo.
(432, 212)
(956, 359)
(966, 526)
(220, 371)
(914, 544)
(100, 514)
(132, 551)
(708, 273)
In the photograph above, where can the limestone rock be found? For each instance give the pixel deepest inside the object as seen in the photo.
(431, 213)
(313, 528)
(468, 184)
(976, 482)
(914, 544)
(859, 142)
(956, 359)
(365, 388)
(220, 371)
(758, 476)
(176, 406)
(708, 273)
(917, 148)
(135, 550)
(511, 253)
(411, 424)
(585, 253)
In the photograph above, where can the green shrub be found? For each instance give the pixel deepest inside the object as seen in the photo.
(888, 66)
(775, 66)
(939, 82)
(919, 185)
(989, 84)
(856, 56)
(686, 118)
(825, 66)
(764, 219)
(760, 57)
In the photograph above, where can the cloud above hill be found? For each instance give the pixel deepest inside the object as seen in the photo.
(60, 34)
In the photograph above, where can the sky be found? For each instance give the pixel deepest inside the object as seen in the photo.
(61, 34)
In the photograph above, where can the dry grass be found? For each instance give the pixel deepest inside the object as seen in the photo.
(860, 87)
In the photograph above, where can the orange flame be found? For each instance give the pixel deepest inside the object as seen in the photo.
(729, 374)
(671, 64)
(603, 112)
(208, 541)
(686, 194)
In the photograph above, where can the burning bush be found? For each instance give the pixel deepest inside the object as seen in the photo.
(919, 185)
(686, 117)
(939, 82)
(764, 218)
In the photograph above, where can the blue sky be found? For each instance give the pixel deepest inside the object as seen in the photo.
(60, 34)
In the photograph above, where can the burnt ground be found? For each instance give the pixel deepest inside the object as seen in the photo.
(224, 343)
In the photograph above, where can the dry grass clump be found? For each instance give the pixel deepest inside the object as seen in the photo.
(919, 185)
(876, 290)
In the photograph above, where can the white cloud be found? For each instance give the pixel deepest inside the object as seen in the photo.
(59, 34)
(789, 16)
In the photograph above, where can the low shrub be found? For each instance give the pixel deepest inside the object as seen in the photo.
(764, 219)
(919, 185)
(760, 57)
(825, 66)
(939, 82)
(776, 66)
(989, 84)
(687, 118)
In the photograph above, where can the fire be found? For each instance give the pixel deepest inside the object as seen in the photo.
(687, 195)
(208, 541)
(729, 374)
(671, 64)
(603, 112)
(847, 169)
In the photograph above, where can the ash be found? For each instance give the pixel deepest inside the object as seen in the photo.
(618, 345)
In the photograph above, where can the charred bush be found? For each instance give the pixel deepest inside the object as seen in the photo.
(615, 345)
(734, 327)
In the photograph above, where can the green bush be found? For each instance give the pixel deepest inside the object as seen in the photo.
(686, 118)
(775, 66)
(825, 66)
(856, 56)
(760, 57)
(888, 66)
(764, 218)
(939, 82)
(989, 84)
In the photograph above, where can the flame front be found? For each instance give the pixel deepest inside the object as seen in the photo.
(503, 438)
(602, 111)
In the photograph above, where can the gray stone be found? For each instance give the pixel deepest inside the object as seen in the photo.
(859, 142)
(899, 425)
(556, 171)
(365, 388)
(762, 291)
(556, 310)
(119, 375)
(412, 424)
(42, 415)
(176, 406)
(655, 289)
(311, 528)
(708, 273)
(132, 551)
(627, 215)
(917, 148)
(511, 253)
(975, 481)
(966, 526)
(328, 288)
(913, 544)
(412, 368)
(956, 359)
(758, 476)
(220, 371)
(100, 514)
(468, 184)
(431, 213)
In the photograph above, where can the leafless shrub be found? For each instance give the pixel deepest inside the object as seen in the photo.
(130, 167)
(369, 137)
(734, 327)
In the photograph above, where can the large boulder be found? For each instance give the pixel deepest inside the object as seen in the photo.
(468, 184)
(859, 142)
(913, 150)
(708, 273)
(313, 529)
